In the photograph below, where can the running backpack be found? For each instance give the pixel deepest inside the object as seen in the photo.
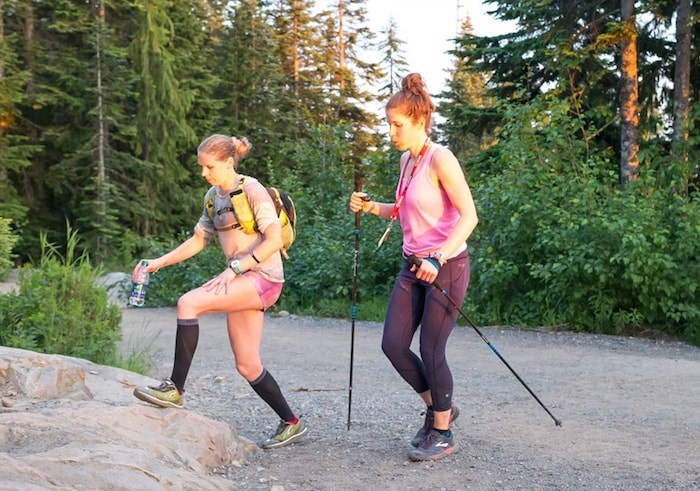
(240, 206)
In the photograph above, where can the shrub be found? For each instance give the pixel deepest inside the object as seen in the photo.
(560, 244)
(59, 308)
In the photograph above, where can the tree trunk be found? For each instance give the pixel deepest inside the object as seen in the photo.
(296, 62)
(101, 128)
(2, 37)
(629, 96)
(341, 47)
(681, 81)
(32, 177)
(28, 33)
(4, 118)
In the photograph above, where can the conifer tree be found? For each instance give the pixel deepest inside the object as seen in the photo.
(352, 74)
(197, 69)
(161, 112)
(303, 64)
(14, 151)
(563, 48)
(294, 26)
(29, 181)
(393, 61)
(253, 85)
(58, 46)
(465, 107)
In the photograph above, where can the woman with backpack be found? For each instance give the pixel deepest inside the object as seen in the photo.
(250, 283)
(436, 211)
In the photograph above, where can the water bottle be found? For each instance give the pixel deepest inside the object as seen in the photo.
(139, 285)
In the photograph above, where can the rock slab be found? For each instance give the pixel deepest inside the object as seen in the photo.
(67, 423)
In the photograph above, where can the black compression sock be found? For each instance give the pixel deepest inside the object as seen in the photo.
(186, 340)
(268, 390)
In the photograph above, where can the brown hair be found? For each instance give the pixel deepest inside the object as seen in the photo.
(413, 100)
(223, 147)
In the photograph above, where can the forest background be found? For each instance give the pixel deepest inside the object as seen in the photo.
(575, 131)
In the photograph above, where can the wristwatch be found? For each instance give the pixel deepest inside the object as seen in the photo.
(440, 258)
(235, 265)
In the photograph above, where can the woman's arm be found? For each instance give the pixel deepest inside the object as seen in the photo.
(186, 250)
(448, 174)
(271, 243)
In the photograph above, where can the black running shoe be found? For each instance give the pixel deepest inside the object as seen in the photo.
(428, 424)
(434, 446)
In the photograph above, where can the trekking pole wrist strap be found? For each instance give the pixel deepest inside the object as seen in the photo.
(434, 262)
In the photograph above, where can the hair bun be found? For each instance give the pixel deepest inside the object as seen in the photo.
(413, 82)
(242, 146)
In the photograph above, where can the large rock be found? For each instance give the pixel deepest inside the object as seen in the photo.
(118, 287)
(66, 423)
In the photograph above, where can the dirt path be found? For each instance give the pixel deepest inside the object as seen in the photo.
(630, 408)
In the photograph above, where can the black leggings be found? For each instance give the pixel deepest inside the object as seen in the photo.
(414, 302)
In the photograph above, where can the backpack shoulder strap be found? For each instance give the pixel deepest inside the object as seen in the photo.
(209, 202)
(241, 207)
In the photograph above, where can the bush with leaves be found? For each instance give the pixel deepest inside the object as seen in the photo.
(560, 244)
(319, 273)
(59, 308)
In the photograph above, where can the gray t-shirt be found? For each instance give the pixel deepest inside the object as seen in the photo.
(234, 241)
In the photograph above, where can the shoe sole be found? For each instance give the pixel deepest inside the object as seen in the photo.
(288, 441)
(453, 418)
(427, 458)
(147, 397)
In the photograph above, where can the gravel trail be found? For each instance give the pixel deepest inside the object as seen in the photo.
(630, 408)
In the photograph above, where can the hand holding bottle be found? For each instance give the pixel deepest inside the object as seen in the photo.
(140, 278)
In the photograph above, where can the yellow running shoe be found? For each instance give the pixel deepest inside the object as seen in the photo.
(286, 433)
(165, 395)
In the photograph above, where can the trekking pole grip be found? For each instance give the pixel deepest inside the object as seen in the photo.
(416, 261)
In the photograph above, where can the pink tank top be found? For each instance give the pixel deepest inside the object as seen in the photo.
(427, 215)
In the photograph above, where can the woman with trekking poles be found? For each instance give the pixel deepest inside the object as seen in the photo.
(436, 211)
(250, 283)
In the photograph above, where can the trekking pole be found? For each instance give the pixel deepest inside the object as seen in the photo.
(353, 313)
(416, 261)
